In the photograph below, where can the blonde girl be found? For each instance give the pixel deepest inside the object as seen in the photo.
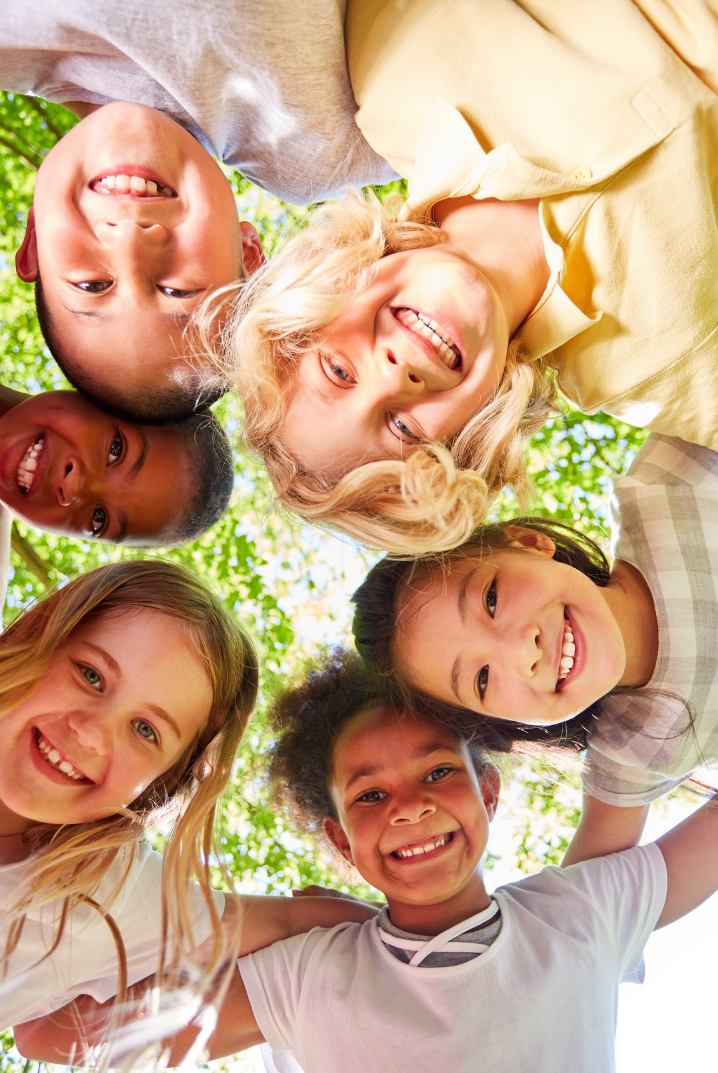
(392, 368)
(123, 698)
(527, 633)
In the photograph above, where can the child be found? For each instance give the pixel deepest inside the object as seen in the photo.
(447, 976)
(262, 88)
(124, 698)
(69, 468)
(526, 626)
(536, 236)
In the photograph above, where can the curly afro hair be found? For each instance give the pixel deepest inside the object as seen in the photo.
(308, 716)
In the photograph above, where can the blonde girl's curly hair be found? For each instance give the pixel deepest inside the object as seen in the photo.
(71, 860)
(432, 499)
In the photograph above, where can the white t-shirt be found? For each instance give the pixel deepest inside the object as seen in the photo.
(263, 86)
(543, 997)
(85, 963)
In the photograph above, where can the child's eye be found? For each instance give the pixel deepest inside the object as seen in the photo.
(92, 677)
(94, 286)
(176, 292)
(482, 681)
(116, 448)
(438, 773)
(372, 796)
(491, 599)
(99, 521)
(335, 372)
(145, 730)
(401, 430)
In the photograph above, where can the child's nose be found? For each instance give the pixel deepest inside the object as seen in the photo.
(69, 488)
(412, 809)
(92, 731)
(395, 376)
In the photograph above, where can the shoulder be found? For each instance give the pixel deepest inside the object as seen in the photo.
(597, 884)
(666, 460)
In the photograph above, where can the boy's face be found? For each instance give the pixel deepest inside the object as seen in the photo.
(122, 270)
(413, 815)
(91, 475)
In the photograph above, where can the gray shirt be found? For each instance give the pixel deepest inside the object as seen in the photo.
(262, 84)
(666, 525)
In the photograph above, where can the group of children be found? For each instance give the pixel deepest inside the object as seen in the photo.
(391, 361)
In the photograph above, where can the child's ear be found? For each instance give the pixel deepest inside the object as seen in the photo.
(490, 789)
(335, 833)
(530, 539)
(26, 257)
(252, 252)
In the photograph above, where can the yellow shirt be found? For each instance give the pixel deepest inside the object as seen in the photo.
(612, 121)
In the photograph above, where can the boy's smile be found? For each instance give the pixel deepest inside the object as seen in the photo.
(413, 817)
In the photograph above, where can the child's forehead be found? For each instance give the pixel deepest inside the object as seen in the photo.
(383, 733)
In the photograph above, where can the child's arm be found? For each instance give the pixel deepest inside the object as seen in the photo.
(690, 851)
(604, 829)
(263, 920)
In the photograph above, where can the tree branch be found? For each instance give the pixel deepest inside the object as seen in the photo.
(45, 572)
(45, 116)
(30, 159)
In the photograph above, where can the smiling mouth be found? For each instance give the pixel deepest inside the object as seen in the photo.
(568, 653)
(417, 849)
(55, 759)
(135, 185)
(29, 462)
(428, 329)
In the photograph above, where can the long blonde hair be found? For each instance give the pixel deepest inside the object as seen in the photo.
(71, 860)
(432, 499)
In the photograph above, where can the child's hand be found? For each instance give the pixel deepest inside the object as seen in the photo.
(329, 892)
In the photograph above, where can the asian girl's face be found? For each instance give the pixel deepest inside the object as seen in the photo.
(69, 468)
(491, 633)
(118, 705)
(412, 358)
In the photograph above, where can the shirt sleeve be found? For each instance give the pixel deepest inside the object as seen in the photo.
(273, 978)
(628, 891)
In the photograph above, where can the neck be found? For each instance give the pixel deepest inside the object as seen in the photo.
(504, 240)
(433, 919)
(10, 398)
(12, 828)
(630, 600)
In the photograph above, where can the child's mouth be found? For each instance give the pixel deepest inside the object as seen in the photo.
(56, 761)
(428, 329)
(120, 184)
(420, 849)
(28, 465)
(568, 653)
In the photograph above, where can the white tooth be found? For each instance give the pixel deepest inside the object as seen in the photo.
(569, 649)
(110, 181)
(166, 191)
(65, 767)
(566, 664)
(137, 183)
(31, 464)
(122, 182)
(151, 187)
(53, 756)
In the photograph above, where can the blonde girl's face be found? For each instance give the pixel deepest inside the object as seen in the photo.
(491, 634)
(413, 357)
(117, 707)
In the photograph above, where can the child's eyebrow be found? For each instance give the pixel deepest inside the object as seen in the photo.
(96, 314)
(418, 754)
(463, 596)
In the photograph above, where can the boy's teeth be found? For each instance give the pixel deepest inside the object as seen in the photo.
(28, 465)
(133, 184)
(568, 651)
(427, 847)
(55, 760)
(429, 329)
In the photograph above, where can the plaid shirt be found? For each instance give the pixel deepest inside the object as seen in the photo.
(665, 523)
